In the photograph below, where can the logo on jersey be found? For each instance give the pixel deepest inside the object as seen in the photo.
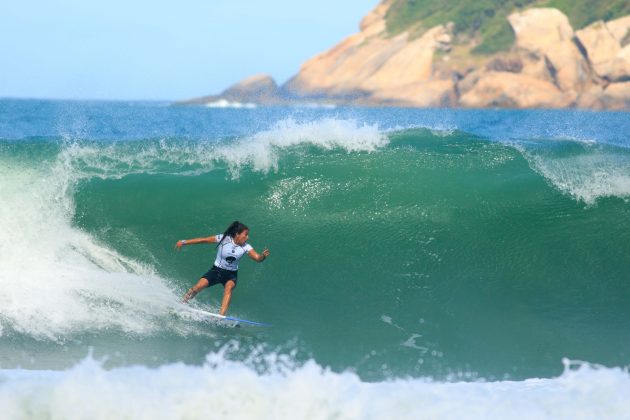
(230, 259)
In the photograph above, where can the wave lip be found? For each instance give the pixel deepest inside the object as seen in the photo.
(260, 151)
(583, 170)
(227, 389)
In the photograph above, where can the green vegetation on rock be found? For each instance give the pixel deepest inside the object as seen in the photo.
(487, 19)
(497, 36)
(581, 13)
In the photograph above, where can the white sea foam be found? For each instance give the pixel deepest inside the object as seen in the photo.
(224, 103)
(227, 389)
(54, 278)
(260, 151)
(592, 174)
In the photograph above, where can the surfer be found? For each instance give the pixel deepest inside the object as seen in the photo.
(231, 246)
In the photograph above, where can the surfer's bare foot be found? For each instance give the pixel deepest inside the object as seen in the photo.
(189, 295)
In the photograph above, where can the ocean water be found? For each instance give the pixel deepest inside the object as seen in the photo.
(424, 263)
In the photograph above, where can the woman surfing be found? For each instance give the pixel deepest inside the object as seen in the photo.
(231, 246)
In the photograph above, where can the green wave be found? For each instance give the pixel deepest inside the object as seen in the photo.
(443, 249)
(427, 253)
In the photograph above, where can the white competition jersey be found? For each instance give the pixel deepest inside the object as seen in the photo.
(229, 253)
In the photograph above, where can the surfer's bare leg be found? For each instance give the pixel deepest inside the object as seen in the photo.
(201, 284)
(227, 296)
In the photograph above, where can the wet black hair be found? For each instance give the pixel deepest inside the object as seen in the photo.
(234, 229)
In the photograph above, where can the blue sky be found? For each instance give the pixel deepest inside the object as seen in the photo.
(141, 49)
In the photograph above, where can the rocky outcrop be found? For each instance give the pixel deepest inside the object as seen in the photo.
(410, 64)
(544, 38)
(616, 96)
(434, 93)
(603, 43)
(342, 70)
(601, 47)
(565, 69)
(378, 69)
(337, 71)
(510, 90)
(257, 89)
(374, 22)
(549, 65)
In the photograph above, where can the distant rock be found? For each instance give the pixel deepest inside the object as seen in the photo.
(434, 93)
(621, 65)
(510, 90)
(410, 64)
(602, 42)
(591, 98)
(258, 89)
(340, 71)
(513, 64)
(374, 22)
(379, 70)
(620, 29)
(549, 65)
(545, 37)
(617, 96)
(601, 47)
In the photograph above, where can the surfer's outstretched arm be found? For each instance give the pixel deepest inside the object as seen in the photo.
(206, 240)
(258, 257)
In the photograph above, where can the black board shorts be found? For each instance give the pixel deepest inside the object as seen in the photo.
(218, 275)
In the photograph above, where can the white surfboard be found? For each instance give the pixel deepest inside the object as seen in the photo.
(220, 319)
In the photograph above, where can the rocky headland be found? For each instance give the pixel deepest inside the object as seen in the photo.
(545, 63)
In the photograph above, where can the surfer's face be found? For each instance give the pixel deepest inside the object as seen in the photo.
(242, 237)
